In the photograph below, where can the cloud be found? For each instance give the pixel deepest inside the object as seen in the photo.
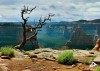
(53, 7)
(7, 2)
(0, 16)
(64, 10)
(44, 9)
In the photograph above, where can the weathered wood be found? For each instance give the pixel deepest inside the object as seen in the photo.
(34, 30)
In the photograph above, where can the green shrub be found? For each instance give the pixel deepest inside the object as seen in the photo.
(0, 53)
(86, 61)
(66, 57)
(97, 68)
(7, 51)
(93, 57)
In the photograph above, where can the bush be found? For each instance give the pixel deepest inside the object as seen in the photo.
(86, 61)
(66, 57)
(97, 68)
(7, 51)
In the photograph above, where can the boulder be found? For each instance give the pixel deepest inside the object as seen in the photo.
(5, 57)
(97, 59)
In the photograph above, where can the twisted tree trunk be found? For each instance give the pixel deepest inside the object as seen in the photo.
(34, 30)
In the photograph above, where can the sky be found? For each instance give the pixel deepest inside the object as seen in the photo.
(64, 10)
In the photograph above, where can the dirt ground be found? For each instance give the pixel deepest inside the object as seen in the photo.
(23, 64)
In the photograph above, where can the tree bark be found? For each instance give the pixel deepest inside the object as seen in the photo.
(34, 30)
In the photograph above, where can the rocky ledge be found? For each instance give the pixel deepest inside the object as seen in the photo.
(50, 54)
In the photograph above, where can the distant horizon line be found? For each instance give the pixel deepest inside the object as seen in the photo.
(53, 21)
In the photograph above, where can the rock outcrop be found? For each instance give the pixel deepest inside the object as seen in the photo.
(97, 46)
(50, 54)
(47, 53)
(97, 59)
(80, 39)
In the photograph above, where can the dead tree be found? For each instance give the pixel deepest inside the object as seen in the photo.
(34, 30)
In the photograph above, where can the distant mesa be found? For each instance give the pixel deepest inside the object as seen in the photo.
(95, 21)
(81, 21)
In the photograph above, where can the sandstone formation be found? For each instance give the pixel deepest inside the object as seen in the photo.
(50, 54)
(97, 59)
(80, 39)
(97, 46)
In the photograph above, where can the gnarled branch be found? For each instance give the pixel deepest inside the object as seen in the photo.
(34, 30)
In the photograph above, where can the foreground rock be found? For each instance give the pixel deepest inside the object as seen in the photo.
(4, 67)
(50, 54)
(97, 46)
(97, 59)
(46, 53)
(20, 54)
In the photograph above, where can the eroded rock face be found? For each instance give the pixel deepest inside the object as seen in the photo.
(97, 46)
(80, 40)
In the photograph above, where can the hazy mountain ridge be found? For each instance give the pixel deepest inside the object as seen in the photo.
(95, 21)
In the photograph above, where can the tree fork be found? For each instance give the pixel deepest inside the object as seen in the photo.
(34, 29)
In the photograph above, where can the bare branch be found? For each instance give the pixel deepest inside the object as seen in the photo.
(32, 9)
(27, 18)
(41, 23)
(25, 11)
(33, 36)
